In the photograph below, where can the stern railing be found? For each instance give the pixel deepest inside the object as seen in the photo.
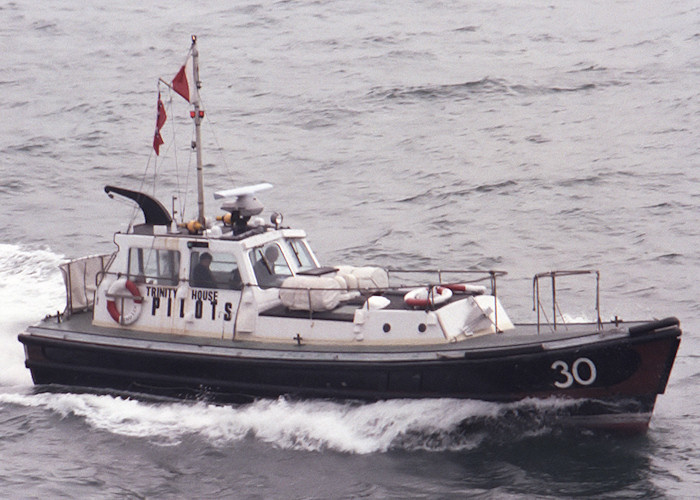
(553, 275)
(81, 277)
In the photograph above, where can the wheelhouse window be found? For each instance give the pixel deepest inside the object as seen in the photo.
(301, 255)
(269, 265)
(214, 270)
(157, 267)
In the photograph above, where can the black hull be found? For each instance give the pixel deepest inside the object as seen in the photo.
(617, 379)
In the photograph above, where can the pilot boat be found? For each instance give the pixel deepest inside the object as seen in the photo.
(239, 308)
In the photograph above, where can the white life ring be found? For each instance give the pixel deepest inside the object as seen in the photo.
(427, 296)
(127, 294)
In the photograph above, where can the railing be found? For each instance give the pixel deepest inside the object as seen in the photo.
(81, 277)
(537, 303)
(481, 275)
(478, 276)
(428, 278)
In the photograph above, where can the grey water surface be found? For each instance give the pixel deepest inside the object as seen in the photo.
(522, 136)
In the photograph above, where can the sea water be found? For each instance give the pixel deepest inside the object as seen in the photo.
(496, 135)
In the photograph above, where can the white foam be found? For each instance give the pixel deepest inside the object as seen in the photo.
(303, 425)
(30, 287)
(580, 318)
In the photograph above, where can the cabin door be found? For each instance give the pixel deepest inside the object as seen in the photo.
(155, 273)
(214, 294)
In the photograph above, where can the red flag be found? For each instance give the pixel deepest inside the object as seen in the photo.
(160, 121)
(161, 116)
(157, 142)
(181, 82)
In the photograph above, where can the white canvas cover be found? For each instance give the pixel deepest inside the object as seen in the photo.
(315, 293)
(80, 277)
(364, 278)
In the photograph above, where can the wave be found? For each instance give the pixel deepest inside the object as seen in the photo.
(430, 425)
(497, 186)
(442, 91)
(13, 187)
(485, 86)
(459, 190)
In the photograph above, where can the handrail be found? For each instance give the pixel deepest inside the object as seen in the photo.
(491, 275)
(537, 303)
(441, 275)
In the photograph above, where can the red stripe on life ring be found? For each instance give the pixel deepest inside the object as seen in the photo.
(456, 287)
(131, 286)
(113, 311)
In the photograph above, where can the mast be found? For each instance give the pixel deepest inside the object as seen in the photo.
(197, 116)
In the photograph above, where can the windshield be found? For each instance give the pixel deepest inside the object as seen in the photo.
(301, 255)
(269, 265)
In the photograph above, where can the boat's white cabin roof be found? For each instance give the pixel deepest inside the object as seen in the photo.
(161, 238)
